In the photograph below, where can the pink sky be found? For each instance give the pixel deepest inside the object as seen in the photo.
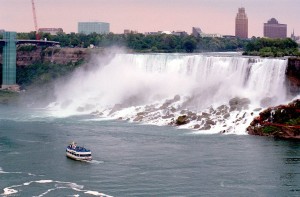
(212, 16)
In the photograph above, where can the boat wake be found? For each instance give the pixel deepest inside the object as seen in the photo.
(95, 162)
(44, 187)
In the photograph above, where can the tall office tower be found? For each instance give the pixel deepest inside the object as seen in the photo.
(272, 29)
(241, 24)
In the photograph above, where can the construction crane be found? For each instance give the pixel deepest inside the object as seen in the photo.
(37, 36)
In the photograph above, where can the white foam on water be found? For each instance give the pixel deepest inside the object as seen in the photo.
(55, 185)
(98, 119)
(44, 181)
(9, 191)
(95, 193)
(46, 192)
(95, 162)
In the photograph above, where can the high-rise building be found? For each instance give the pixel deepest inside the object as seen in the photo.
(241, 24)
(272, 29)
(93, 27)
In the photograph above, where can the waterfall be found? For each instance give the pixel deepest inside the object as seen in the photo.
(214, 90)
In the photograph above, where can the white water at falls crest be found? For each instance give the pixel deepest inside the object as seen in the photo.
(218, 94)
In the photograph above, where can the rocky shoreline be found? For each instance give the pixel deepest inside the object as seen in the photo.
(280, 122)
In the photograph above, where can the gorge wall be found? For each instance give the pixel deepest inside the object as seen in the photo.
(55, 55)
(293, 75)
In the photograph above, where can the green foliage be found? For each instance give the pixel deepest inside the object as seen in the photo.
(144, 43)
(27, 48)
(267, 47)
(295, 121)
(41, 73)
(189, 44)
(269, 129)
(7, 96)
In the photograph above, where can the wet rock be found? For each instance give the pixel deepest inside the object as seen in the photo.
(194, 117)
(141, 113)
(227, 115)
(238, 104)
(191, 113)
(218, 113)
(205, 115)
(223, 108)
(211, 110)
(138, 119)
(173, 109)
(210, 122)
(197, 126)
(199, 118)
(181, 120)
(205, 127)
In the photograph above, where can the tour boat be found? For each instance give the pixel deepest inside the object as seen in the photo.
(79, 153)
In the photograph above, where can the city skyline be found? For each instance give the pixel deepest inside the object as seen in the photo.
(212, 16)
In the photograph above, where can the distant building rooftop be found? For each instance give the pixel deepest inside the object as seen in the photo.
(272, 21)
(52, 31)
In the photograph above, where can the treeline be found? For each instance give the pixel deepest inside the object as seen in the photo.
(144, 43)
(266, 47)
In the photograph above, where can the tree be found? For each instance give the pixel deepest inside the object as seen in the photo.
(190, 45)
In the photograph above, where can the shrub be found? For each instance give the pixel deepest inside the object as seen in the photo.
(269, 129)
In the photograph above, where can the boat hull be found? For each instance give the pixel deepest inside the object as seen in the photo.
(70, 156)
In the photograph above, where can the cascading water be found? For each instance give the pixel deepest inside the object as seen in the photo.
(216, 93)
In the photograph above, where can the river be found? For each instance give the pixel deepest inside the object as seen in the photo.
(120, 108)
(138, 160)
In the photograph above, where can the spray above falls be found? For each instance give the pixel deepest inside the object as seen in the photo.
(216, 93)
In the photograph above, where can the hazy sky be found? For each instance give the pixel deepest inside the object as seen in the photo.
(212, 16)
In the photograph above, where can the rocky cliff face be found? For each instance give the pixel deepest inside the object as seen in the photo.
(54, 55)
(282, 121)
(293, 75)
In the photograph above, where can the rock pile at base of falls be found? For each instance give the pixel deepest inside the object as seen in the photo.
(225, 118)
(211, 117)
(282, 122)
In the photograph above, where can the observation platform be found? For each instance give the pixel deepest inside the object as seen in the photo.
(36, 42)
(9, 44)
